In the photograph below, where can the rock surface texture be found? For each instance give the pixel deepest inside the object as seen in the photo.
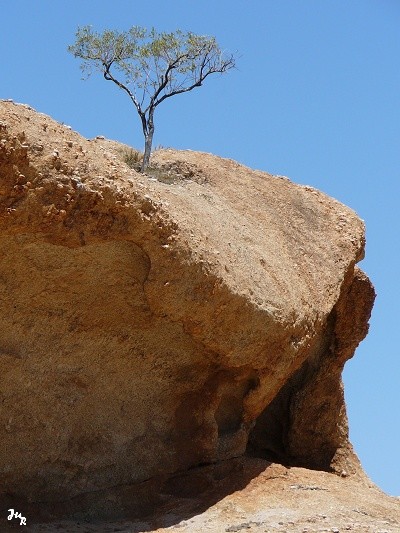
(151, 326)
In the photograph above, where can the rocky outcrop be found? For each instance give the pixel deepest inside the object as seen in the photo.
(149, 326)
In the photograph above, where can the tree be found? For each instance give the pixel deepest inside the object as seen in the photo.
(150, 66)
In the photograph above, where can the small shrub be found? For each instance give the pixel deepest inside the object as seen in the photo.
(160, 147)
(133, 158)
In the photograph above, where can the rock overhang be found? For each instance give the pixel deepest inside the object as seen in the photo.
(222, 290)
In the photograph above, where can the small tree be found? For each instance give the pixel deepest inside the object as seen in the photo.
(150, 66)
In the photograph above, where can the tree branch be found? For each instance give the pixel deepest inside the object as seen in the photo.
(109, 77)
(203, 74)
(165, 80)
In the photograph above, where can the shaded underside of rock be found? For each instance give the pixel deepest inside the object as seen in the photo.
(240, 494)
(151, 327)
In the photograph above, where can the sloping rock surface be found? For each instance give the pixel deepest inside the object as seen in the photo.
(151, 325)
(238, 496)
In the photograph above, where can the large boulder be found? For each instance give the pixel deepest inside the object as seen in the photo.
(152, 324)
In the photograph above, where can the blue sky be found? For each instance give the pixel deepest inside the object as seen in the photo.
(315, 97)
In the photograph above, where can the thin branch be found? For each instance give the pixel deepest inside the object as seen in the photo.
(109, 77)
(229, 63)
(165, 79)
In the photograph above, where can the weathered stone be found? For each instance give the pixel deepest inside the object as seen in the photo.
(149, 327)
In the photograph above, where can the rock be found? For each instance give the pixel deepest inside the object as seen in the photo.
(149, 328)
(235, 495)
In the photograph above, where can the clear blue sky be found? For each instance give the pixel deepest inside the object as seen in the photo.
(315, 97)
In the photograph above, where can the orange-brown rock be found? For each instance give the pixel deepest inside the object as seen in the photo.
(150, 325)
(234, 496)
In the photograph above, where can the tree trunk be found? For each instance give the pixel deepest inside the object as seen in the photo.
(148, 141)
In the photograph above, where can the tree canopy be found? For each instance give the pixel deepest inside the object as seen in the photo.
(150, 66)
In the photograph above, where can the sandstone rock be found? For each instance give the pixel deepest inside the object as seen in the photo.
(149, 326)
(241, 494)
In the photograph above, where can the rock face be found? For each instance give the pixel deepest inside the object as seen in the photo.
(148, 326)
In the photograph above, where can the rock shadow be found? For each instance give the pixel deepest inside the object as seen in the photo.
(146, 506)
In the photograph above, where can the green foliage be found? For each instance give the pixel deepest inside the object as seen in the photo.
(159, 64)
(102, 50)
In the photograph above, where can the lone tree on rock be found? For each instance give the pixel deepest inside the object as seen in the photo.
(150, 66)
